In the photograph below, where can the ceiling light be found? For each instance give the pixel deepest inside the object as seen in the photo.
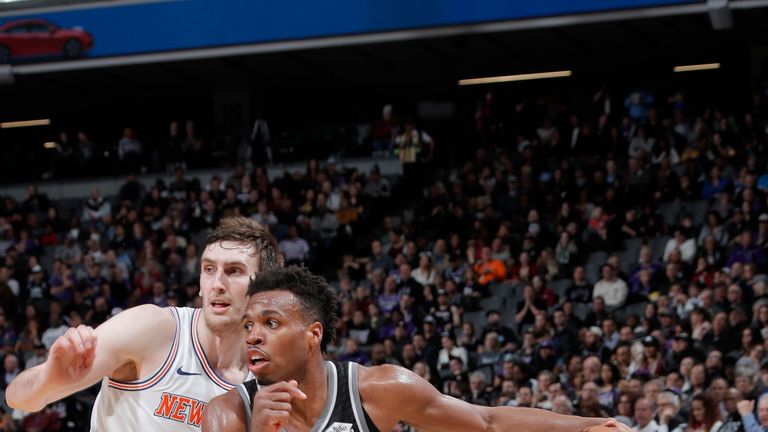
(50, 145)
(510, 78)
(696, 67)
(25, 123)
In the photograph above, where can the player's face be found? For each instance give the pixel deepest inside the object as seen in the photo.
(226, 269)
(279, 336)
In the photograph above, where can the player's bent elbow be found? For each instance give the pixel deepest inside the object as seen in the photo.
(488, 417)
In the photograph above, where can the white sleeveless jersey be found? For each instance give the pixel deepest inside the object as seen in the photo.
(173, 397)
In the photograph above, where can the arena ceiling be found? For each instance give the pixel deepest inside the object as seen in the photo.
(634, 49)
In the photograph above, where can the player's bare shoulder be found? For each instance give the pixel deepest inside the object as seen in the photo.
(146, 315)
(225, 413)
(383, 378)
(146, 327)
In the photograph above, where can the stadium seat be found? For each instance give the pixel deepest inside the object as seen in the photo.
(698, 209)
(628, 258)
(581, 310)
(593, 265)
(477, 318)
(633, 244)
(492, 303)
(503, 290)
(559, 286)
(670, 213)
(657, 247)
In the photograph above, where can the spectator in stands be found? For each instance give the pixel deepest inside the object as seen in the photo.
(524, 397)
(96, 208)
(295, 249)
(352, 352)
(384, 132)
(580, 290)
(376, 187)
(477, 390)
(746, 409)
(642, 287)
(132, 191)
(733, 420)
(641, 145)
(682, 243)
(562, 405)
(48, 419)
(129, 150)
(668, 406)
(566, 252)
(644, 422)
(324, 222)
(38, 357)
(651, 362)
(761, 235)
(489, 353)
(525, 269)
(11, 369)
(625, 409)
(589, 401)
(714, 184)
(745, 381)
(378, 259)
(682, 347)
(488, 269)
(425, 273)
(744, 252)
(530, 306)
(56, 328)
(704, 414)
(713, 228)
(612, 289)
(450, 350)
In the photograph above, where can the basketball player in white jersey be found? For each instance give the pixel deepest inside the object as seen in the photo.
(159, 367)
(289, 320)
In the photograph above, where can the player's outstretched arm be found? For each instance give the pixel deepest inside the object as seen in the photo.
(83, 356)
(391, 394)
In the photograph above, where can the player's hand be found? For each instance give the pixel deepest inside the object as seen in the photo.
(71, 356)
(272, 406)
(745, 407)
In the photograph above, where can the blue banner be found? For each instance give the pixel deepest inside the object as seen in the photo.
(186, 24)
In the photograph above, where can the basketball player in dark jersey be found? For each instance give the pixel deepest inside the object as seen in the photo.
(289, 321)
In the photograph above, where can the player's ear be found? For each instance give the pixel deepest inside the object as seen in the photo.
(315, 332)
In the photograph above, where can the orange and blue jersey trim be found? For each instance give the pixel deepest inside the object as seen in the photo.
(161, 372)
(200, 353)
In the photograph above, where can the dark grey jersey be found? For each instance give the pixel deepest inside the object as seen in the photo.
(343, 410)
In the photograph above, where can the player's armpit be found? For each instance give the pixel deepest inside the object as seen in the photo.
(225, 413)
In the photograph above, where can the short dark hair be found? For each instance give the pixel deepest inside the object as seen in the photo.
(318, 301)
(244, 230)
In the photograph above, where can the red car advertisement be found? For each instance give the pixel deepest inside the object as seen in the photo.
(40, 38)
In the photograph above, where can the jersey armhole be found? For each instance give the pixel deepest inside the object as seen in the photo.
(246, 398)
(143, 384)
(364, 421)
